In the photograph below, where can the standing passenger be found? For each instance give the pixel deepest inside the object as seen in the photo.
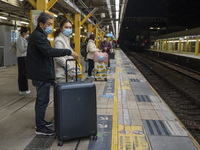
(40, 68)
(62, 40)
(22, 44)
(91, 49)
(106, 46)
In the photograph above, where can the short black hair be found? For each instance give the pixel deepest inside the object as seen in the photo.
(92, 36)
(43, 17)
(24, 30)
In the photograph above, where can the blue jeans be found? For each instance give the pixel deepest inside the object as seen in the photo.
(42, 100)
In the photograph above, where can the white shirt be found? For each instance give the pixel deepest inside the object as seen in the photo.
(22, 44)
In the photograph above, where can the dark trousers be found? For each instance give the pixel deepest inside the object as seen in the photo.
(108, 60)
(91, 67)
(22, 79)
(42, 100)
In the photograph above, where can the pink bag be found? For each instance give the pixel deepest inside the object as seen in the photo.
(100, 57)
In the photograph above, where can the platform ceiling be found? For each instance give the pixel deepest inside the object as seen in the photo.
(20, 10)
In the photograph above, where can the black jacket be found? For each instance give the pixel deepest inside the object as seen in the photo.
(40, 65)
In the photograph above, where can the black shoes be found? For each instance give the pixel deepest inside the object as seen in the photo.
(48, 124)
(44, 131)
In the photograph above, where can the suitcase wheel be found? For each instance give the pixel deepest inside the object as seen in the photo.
(60, 143)
(93, 138)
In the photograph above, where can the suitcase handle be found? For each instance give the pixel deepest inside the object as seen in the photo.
(76, 63)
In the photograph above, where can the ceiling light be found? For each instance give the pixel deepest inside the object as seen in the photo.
(23, 22)
(55, 15)
(103, 15)
(1, 17)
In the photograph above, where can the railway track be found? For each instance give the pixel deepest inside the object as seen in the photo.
(179, 88)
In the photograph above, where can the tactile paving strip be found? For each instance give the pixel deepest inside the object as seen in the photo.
(143, 98)
(134, 80)
(156, 127)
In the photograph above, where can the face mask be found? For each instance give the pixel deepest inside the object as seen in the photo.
(67, 32)
(26, 36)
(48, 30)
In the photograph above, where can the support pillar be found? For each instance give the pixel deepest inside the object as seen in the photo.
(166, 45)
(197, 46)
(77, 34)
(179, 46)
(97, 38)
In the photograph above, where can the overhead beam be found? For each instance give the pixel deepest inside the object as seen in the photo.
(69, 18)
(33, 3)
(51, 3)
(85, 19)
(95, 27)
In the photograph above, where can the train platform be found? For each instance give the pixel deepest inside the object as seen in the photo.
(183, 54)
(130, 115)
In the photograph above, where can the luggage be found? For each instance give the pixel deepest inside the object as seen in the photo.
(75, 110)
(100, 57)
(100, 71)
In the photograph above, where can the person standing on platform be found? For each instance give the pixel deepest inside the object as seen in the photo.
(40, 69)
(91, 49)
(62, 40)
(106, 46)
(21, 46)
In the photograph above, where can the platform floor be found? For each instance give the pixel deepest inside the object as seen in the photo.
(131, 115)
(182, 53)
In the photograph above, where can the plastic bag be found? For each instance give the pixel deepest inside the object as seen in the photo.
(13, 48)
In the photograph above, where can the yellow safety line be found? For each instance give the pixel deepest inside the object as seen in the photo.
(114, 144)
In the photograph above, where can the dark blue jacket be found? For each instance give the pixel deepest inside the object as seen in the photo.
(39, 63)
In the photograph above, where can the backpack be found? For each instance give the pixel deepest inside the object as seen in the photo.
(13, 48)
(83, 49)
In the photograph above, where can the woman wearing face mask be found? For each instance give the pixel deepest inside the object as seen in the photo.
(22, 44)
(62, 40)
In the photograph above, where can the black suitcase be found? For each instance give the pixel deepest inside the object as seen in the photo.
(75, 110)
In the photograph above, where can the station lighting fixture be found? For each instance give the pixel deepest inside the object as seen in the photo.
(23, 22)
(5, 18)
(117, 17)
(110, 12)
(154, 28)
(55, 15)
(103, 15)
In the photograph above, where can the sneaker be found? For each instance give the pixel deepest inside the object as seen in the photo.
(28, 92)
(48, 124)
(24, 92)
(44, 131)
(90, 77)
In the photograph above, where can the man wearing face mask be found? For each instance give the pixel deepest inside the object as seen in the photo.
(62, 40)
(40, 69)
(22, 44)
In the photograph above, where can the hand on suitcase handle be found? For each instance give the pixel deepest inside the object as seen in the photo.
(75, 55)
